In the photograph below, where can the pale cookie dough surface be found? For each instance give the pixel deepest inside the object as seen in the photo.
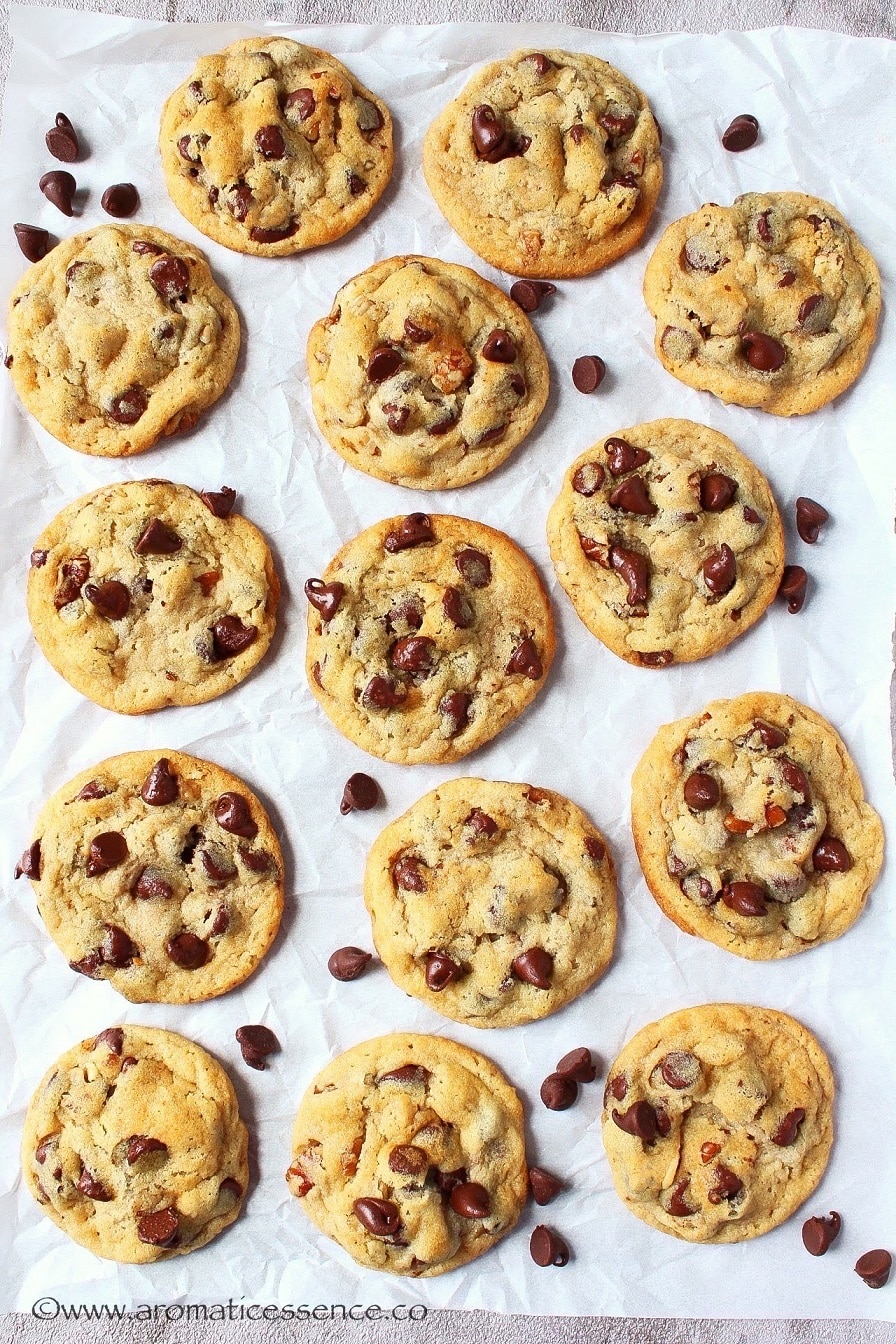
(136, 1083)
(434, 647)
(170, 646)
(578, 169)
(189, 906)
(465, 375)
(119, 336)
(482, 873)
(779, 277)
(271, 147)
(781, 850)
(738, 1124)
(449, 1118)
(680, 611)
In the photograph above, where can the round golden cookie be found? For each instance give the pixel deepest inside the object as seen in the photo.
(668, 542)
(770, 302)
(546, 164)
(718, 1122)
(426, 636)
(424, 374)
(271, 147)
(159, 873)
(119, 336)
(134, 1147)
(409, 1152)
(146, 594)
(494, 903)
(752, 829)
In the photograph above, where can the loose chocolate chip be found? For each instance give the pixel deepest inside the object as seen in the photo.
(34, 243)
(588, 478)
(360, 794)
(746, 898)
(384, 361)
(528, 294)
(547, 1247)
(588, 373)
(111, 599)
(489, 136)
(160, 785)
(303, 102)
(457, 608)
(726, 1185)
(140, 1144)
(762, 351)
(232, 814)
(413, 530)
(558, 1093)
(623, 456)
(633, 569)
(380, 1217)
(59, 187)
(810, 518)
(88, 1184)
(256, 1043)
(680, 1069)
(270, 143)
(408, 1160)
(62, 140)
(874, 1267)
(416, 654)
(820, 1233)
(230, 637)
(789, 1127)
(535, 966)
(794, 583)
(348, 963)
(117, 949)
(150, 885)
(524, 661)
(717, 492)
(441, 971)
(159, 1228)
(831, 856)
(475, 567)
(579, 1065)
(701, 791)
(382, 694)
(631, 496)
(120, 200)
(595, 848)
(499, 347)
(112, 1038)
(470, 1200)
(741, 134)
(129, 405)
(29, 864)
(720, 571)
(544, 1185)
(220, 502)
(187, 950)
(454, 709)
(157, 539)
(324, 597)
(640, 1120)
(170, 278)
(106, 851)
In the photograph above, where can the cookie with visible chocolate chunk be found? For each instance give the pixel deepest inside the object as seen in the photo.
(159, 873)
(133, 1145)
(118, 337)
(409, 1151)
(718, 1121)
(424, 374)
(146, 594)
(547, 163)
(770, 302)
(752, 828)
(271, 147)
(426, 636)
(494, 903)
(667, 540)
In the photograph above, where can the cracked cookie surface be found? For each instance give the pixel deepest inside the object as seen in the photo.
(547, 163)
(426, 636)
(667, 540)
(159, 873)
(119, 336)
(752, 828)
(408, 1150)
(717, 1121)
(271, 147)
(141, 596)
(494, 903)
(424, 374)
(770, 302)
(133, 1145)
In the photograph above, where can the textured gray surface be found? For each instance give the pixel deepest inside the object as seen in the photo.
(866, 17)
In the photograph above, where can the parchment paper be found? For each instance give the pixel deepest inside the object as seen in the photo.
(826, 106)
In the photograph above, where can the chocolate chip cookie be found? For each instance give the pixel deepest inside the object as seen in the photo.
(134, 1147)
(770, 302)
(426, 636)
(145, 594)
(752, 829)
(546, 164)
(667, 540)
(118, 337)
(159, 873)
(409, 1151)
(718, 1121)
(271, 147)
(424, 374)
(494, 903)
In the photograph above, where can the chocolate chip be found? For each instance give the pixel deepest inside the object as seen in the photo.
(633, 569)
(261, 235)
(595, 848)
(270, 143)
(528, 294)
(618, 1087)
(120, 200)
(324, 597)
(160, 785)
(382, 694)
(701, 791)
(112, 1038)
(407, 874)
(356, 184)
(482, 823)
(631, 496)
(470, 1200)
(474, 566)
(680, 1069)
(157, 539)
(140, 1144)
(810, 518)
(170, 278)
(221, 922)
(348, 963)
(417, 333)
(88, 1184)
(717, 492)
(187, 950)
(747, 898)
(588, 478)
(701, 254)
(89, 964)
(72, 577)
(216, 869)
(874, 1267)
(489, 136)
(579, 1065)
(770, 734)
(408, 1160)
(380, 1217)
(129, 405)
(34, 243)
(106, 851)
(441, 971)
(396, 417)
(795, 777)
(741, 134)
(558, 1092)
(59, 187)
(256, 860)
(416, 654)
(62, 140)
(820, 1233)
(454, 709)
(794, 583)
(360, 794)
(547, 1247)
(678, 1206)
(808, 306)
(384, 361)
(447, 1180)
(232, 814)
(413, 530)
(639, 1120)
(617, 124)
(159, 1228)
(762, 351)
(535, 966)
(111, 598)
(407, 1073)
(220, 502)
(457, 608)
(588, 373)
(788, 1128)
(499, 347)
(524, 661)
(302, 100)
(544, 1185)
(541, 62)
(117, 949)
(831, 856)
(29, 864)
(443, 426)
(150, 885)
(230, 637)
(720, 571)
(256, 1043)
(239, 201)
(370, 118)
(623, 456)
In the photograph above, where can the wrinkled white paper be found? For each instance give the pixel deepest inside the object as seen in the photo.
(827, 110)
